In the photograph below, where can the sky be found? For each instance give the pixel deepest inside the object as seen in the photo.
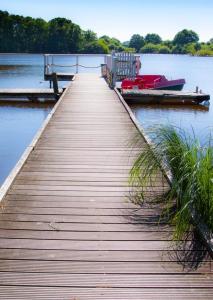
(123, 18)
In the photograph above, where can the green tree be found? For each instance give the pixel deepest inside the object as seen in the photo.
(64, 36)
(106, 38)
(137, 42)
(185, 37)
(164, 50)
(150, 48)
(89, 36)
(153, 38)
(99, 47)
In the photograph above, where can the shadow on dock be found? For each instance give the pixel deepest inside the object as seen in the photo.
(190, 252)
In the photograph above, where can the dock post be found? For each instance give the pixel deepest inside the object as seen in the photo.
(55, 85)
(77, 60)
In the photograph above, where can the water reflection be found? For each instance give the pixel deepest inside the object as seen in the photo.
(191, 118)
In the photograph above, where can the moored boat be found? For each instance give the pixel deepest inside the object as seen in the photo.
(154, 82)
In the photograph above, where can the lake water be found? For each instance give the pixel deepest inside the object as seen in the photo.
(19, 123)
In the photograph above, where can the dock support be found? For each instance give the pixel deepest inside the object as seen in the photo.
(55, 85)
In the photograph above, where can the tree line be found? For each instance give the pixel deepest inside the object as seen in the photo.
(34, 35)
(184, 42)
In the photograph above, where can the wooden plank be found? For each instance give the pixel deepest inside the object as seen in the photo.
(91, 256)
(94, 267)
(79, 219)
(58, 234)
(87, 227)
(111, 281)
(35, 293)
(85, 245)
(81, 211)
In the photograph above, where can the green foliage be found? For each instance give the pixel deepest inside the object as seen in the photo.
(136, 42)
(98, 47)
(164, 50)
(191, 168)
(64, 36)
(185, 37)
(89, 36)
(190, 48)
(153, 38)
(150, 48)
(204, 52)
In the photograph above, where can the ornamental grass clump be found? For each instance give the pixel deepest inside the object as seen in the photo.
(190, 168)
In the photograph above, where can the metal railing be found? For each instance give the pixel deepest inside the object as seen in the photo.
(52, 61)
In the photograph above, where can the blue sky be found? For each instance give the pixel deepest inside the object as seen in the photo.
(122, 18)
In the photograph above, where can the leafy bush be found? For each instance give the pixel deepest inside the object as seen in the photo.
(96, 47)
(164, 50)
(205, 51)
(150, 48)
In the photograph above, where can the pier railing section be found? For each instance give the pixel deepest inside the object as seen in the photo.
(114, 67)
(72, 63)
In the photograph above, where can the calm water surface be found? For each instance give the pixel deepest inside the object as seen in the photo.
(18, 124)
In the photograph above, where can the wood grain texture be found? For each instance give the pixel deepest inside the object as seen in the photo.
(68, 229)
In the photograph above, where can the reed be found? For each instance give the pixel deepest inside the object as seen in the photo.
(191, 168)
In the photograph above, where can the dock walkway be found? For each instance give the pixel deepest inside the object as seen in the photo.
(67, 230)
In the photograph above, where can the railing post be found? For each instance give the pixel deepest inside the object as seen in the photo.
(114, 70)
(77, 61)
(45, 64)
(55, 85)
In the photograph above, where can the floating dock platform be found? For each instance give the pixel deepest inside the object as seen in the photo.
(147, 96)
(60, 76)
(29, 94)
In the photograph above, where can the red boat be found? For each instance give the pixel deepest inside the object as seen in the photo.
(155, 82)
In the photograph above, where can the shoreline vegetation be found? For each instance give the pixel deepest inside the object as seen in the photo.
(190, 167)
(20, 34)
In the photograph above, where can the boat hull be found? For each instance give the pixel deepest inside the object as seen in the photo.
(177, 87)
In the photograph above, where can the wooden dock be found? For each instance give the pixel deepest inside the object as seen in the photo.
(29, 94)
(147, 96)
(67, 229)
